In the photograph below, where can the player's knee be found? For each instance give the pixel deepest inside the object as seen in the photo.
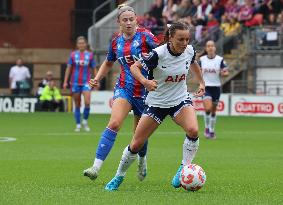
(114, 125)
(193, 131)
(136, 146)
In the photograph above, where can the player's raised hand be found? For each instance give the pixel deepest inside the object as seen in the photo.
(200, 91)
(93, 83)
(150, 85)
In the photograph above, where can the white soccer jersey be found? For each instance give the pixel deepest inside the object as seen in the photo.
(170, 71)
(211, 68)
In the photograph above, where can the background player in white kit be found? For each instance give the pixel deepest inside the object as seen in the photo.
(168, 66)
(213, 66)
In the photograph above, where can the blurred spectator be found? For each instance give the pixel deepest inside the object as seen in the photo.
(217, 10)
(51, 99)
(280, 19)
(202, 12)
(44, 82)
(265, 8)
(231, 9)
(156, 11)
(188, 20)
(211, 30)
(194, 7)
(234, 28)
(168, 11)
(184, 9)
(277, 6)
(225, 24)
(231, 29)
(271, 21)
(149, 22)
(18, 78)
(245, 12)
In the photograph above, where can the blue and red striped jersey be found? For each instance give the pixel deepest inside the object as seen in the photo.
(81, 64)
(129, 51)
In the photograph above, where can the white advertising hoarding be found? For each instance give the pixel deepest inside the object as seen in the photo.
(250, 105)
(235, 105)
(101, 102)
(222, 108)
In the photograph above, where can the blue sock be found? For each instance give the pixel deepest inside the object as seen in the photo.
(106, 142)
(143, 150)
(86, 112)
(77, 115)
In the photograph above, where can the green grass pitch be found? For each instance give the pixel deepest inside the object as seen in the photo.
(244, 165)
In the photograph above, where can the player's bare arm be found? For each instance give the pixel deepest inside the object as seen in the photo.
(150, 85)
(67, 74)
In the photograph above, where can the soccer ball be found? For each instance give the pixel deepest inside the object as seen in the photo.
(192, 177)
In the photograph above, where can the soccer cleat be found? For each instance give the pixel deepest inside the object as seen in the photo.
(176, 183)
(207, 133)
(91, 173)
(142, 168)
(114, 184)
(85, 125)
(78, 129)
(212, 135)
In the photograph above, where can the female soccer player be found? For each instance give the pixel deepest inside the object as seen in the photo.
(128, 46)
(213, 66)
(81, 65)
(169, 65)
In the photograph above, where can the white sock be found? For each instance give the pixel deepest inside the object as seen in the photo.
(79, 126)
(84, 122)
(97, 164)
(190, 149)
(212, 123)
(141, 159)
(127, 159)
(206, 120)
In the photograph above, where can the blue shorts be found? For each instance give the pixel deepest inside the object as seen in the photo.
(159, 114)
(213, 93)
(136, 102)
(80, 88)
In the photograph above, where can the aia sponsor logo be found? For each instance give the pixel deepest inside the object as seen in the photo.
(175, 79)
(254, 107)
(198, 105)
(209, 70)
(280, 108)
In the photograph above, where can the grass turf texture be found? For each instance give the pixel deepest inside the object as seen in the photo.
(244, 165)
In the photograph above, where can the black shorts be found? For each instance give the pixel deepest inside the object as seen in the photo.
(212, 92)
(159, 114)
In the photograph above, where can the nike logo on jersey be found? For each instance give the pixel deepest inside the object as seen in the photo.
(163, 66)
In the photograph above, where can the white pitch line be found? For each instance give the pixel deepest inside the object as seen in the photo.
(156, 133)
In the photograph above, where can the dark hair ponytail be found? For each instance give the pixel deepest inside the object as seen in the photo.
(171, 29)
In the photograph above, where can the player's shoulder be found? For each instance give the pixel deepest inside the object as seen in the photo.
(190, 50)
(204, 57)
(144, 31)
(219, 57)
(115, 36)
(160, 50)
